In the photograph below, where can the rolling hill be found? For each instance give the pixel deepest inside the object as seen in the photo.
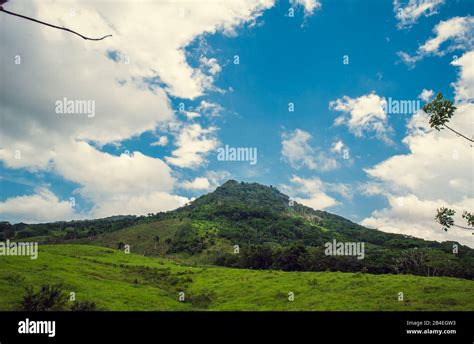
(244, 246)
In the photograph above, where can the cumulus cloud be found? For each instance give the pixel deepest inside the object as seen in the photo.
(190, 115)
(437, 170)
(408, 12)
(458, 29)
(193, 144)
(309, 6)
(309, 192)
(407, 214)
(199, 183)
(426, 95)
(464, 86)
(363, 115)
(337, 146)
(205, 108)
(452, 34)
(298, 153)
(210, 181)
(162, 141)
(43, 206)
(150, 202)
(149, 41)
(211, 64)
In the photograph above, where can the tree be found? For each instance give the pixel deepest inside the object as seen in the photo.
(441, 110)
(415, 262)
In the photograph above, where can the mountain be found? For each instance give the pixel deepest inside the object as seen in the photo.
(249, 225)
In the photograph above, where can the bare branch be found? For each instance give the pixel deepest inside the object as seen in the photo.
(458, 133)
(51, 25)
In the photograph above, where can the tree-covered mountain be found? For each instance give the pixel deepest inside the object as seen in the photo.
(249, 225)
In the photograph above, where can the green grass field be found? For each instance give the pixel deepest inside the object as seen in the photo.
(119, 281)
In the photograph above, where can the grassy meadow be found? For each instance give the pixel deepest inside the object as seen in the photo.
(118, 281)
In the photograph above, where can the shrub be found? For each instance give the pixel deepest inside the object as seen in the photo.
(48, 298)
(84, 306)
(203, 299)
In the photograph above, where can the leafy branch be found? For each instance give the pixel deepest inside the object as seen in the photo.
(445, 217)
(441, 110)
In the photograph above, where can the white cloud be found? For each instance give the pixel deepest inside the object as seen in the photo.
(211, 64)
(217, 178)
(210, 181)
(200, 183)
(408, 59)
(209, 108)
(190, 115)
(309, 5)
(43, 206)
(426, 95)
(419, 124)
(408, 214)
(150, 202)
(408, 12)
(437, 171)
(298, 153)
(464, 86)
(117, 184)
(205, 108)
(154, 34)
(337, 146)
(455, 33)
(312, 193)
(162, 141)
(343, 190)
(365, 114)
(434, 159)
(102, 174)
(193, 144)
(151, 37)
(458, 29)
(125, 184)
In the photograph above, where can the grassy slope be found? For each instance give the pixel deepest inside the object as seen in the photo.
(141, 239)
(116, 281)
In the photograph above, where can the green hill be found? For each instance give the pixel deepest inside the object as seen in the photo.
(267, 231)
(244, 246)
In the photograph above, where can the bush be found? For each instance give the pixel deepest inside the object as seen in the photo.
(203, 299)
(84, 306)
(49, 298)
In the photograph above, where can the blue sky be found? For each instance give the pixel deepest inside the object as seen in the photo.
(282, 60)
